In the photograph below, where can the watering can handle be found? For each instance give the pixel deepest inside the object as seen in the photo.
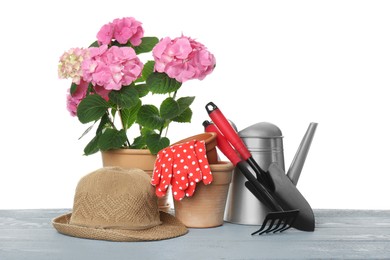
(227, 130)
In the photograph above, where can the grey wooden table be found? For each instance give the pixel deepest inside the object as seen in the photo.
(339, 234)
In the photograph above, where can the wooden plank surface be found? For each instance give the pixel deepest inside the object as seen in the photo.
(339, 234)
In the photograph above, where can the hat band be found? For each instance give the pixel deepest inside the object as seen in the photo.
(133, 228)
(119, 227)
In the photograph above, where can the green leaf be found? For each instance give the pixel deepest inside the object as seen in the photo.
(73, 88)
(160, 83)
(112, 139)
(104, 122)
(155, 143)
(184, 103)
(146, 45)
(138, 143)
(149, 117)
(94, 44)
(169, 108)
(126, 97)
(184, 117)
(92, 147)
(142, 90)
(116, 43)
(91, 108)
(129, 115)
(148, 69)
(146, 131)
(113, 109)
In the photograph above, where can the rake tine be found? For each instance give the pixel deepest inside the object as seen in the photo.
(271, 221)
(288, 223)
(276, 227)
(272, 228)
(284, 227)
(269, 229)
(277, 222)
(260, 231)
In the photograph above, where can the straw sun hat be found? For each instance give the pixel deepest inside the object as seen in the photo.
(115, 204)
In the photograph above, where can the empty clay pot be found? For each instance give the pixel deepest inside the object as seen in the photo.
(205, 209)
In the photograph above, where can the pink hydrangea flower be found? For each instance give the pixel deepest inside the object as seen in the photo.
(102, 92)
(112, 67)
(74, 99)
(123, 30)
(183, 59)
(105, 34)
(70, 64)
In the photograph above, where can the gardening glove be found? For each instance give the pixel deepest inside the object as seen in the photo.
(203, 168)
(162, 172)
(181, 165)
(191, 161)
(169, 170)
(186, 170)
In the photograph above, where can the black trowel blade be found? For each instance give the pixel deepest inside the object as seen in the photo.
(290, 198)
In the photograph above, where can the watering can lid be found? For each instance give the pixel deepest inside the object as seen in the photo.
(261, 130)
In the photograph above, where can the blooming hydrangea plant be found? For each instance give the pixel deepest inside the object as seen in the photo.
(109, 81)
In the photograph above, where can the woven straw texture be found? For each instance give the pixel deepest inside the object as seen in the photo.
(119, 205)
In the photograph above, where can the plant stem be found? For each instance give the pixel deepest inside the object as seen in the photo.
(166, 130)
(169, 122)
(109, 120)
(123, 126)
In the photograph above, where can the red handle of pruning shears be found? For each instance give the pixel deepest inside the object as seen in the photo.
(256, 187)
(227, 130)
(222, 143)
(234, 139)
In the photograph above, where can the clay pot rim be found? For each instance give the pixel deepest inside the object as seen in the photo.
(210, 139)
(129, 151)
(221, 166)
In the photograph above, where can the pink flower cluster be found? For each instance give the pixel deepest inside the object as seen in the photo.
(112, 67)
(73, 100)
(183, 59)
(123, 30)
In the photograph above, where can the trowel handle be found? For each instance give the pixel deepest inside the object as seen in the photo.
(227, 130)
(222, 143)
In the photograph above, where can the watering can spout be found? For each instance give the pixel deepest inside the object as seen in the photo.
(299, 159)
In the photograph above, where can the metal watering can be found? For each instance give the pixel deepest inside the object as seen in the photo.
(265, 142)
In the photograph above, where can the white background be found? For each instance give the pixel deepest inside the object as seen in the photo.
(285, 62)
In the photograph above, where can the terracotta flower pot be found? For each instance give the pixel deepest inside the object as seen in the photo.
(206, 207)
(210, 140)
(134, 158)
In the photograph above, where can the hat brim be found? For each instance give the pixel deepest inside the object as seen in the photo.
(170, 228)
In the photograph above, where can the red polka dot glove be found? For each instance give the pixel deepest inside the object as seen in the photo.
(162, 172)
(181, 166)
